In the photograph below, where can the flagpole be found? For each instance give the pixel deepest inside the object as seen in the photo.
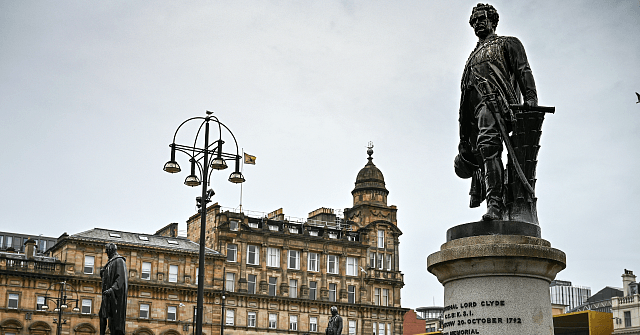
(241, 170)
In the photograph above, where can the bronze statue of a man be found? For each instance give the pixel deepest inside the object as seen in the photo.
(335, 323)
(497, 67)
(113, 309)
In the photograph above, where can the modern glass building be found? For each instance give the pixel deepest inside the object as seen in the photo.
(16, 241)
(564, 293)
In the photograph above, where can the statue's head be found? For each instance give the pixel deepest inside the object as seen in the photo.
(334, 310)
(484, 20)
(111, 250)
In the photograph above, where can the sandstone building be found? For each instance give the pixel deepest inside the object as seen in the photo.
(162, 284)
(282, 274)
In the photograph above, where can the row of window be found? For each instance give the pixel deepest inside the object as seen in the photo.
(13, 301)
(380, 261)
(293, 323)
(381, 295)
(376, 260)
(233, 225)
(145, 271)
(86, 306)
(272, 322)
(293, 259)
(379, 328)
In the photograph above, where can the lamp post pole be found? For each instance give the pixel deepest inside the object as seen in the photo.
(61, 302)
(61, 297)
(223, 317)
(200, 159)
(203, 223)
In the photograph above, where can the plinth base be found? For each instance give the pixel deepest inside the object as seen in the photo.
(497, 284)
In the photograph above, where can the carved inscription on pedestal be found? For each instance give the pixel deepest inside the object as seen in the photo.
(466, 317)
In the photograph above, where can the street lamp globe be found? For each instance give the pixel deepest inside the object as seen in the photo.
(172, 167)
(236, 177)
(218, 163)
(192, 181)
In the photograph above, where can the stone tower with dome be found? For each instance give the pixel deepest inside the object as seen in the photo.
(376, 223)
(370, 197)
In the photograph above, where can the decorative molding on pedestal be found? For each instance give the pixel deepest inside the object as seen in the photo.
(496, 284)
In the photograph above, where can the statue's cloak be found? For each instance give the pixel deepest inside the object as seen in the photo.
(114, 306)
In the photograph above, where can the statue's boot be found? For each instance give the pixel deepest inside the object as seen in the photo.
(493, 172)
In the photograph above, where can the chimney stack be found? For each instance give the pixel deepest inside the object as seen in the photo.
(30, 248)
(627, 279)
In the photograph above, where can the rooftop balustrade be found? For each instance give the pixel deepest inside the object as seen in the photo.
(18, 262)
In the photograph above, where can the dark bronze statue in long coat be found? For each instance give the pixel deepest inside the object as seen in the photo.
(335, 323)
(499, 62)
(113, 309)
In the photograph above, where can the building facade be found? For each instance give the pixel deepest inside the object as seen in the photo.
(433, 317)
(626, 309)
(599, 302)
(162, 274)
(413, 324)
(283, 274)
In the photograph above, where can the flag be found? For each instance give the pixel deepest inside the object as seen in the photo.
(248, 159)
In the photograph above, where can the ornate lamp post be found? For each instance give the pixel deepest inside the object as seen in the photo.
(62, 302)
(210, 155)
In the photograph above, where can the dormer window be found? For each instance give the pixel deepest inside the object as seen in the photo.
(253, 224)
(333, 235)
(233, 225)
(273, 227)
(313, 233)
(293, 230)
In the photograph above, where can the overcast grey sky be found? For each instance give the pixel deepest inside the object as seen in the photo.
(92, 91)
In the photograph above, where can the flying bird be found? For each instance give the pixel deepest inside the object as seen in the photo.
(638, 95)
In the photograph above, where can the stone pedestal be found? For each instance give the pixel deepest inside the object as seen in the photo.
(496, 277)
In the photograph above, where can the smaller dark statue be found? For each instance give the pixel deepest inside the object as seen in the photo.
(113, 309)
(335, 323)
(497, 78)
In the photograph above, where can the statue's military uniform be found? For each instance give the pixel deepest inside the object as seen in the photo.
(502, 62)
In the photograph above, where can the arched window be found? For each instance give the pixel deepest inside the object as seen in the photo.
(39, 328)
(143, 331)
(84, 329)
(10, 327)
